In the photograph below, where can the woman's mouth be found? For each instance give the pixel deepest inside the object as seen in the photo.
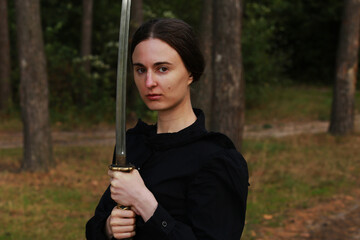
(153, 97)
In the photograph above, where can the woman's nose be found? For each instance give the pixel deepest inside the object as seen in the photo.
(150, 81)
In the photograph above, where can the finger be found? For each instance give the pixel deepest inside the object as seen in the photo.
(115, 184)
(115, 174)
(111, 173)
(124, 235)
(123, 213)
(116, 221)
(123, 229)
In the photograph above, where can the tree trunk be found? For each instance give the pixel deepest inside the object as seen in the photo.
(203, 90)
(86, 34)
(228, 102)
(5, 89)
(34, 93)
(137, 18)
(343, 106)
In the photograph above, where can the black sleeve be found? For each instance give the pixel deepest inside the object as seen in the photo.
(95, 227)
(216, 204)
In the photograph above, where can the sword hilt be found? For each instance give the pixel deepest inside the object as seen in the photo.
(120, 168)
(127, 169)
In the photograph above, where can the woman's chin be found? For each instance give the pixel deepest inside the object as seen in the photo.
(154, 106)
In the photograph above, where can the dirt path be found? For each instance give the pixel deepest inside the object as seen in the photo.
(107, 137)
(283, 130)
(63, 138)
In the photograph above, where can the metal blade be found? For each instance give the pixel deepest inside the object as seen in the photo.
(121, 84)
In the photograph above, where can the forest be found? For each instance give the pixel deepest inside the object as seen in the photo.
(58, 67)
(279, 42)
(282, 43)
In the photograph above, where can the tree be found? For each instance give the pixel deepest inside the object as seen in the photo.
(203, 90)
(5, 89)
(343, 106)
(137, 16)
(86, 33)
(136, 19)
(225, 62)
(34, 93)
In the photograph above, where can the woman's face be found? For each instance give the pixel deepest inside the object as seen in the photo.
(160, 75)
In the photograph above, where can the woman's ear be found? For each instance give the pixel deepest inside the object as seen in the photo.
(191, 78)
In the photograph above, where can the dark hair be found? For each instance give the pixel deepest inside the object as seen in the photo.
(179, 35)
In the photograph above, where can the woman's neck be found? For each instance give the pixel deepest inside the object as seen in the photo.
(175, 120)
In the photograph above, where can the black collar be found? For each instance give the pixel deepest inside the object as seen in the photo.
(164, 141)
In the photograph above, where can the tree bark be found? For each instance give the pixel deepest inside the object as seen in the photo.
(203, 90)
(34, 93)
(86, 34)
(228, 102)
(137, 18)
(5, 67)
(343, 106)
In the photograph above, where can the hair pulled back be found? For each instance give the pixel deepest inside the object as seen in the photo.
(179, 35)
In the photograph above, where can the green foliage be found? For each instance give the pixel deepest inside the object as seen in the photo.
(264, 65)
(282, 41)
(74, 95)
(285, 40)
(189, 11)
(308, 31)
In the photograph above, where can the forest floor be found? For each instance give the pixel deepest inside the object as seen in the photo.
(334, 219)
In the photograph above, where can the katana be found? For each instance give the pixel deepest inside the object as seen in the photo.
(120, 151)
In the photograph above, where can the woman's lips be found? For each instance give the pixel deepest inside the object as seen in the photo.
(153, 97)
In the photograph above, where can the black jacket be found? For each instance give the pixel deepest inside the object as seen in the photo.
(198, 178)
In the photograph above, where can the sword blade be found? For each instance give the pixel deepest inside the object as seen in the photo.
(120, 153)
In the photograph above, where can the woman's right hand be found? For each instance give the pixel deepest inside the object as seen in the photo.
(120, 224)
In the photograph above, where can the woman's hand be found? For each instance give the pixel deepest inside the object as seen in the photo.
(121, 224)
(128, 189)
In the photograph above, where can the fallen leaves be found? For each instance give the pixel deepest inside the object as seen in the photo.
(268, 216)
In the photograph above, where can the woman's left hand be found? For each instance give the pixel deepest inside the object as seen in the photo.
(128, 189)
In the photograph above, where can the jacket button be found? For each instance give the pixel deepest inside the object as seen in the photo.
(164, 224)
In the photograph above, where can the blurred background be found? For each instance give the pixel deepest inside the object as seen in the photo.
(283, 72)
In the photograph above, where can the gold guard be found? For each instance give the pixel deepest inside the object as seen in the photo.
(126, 168)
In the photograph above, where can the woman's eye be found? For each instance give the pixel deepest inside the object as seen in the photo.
(163, 69)
(141, 70)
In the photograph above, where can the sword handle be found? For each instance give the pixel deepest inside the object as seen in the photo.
(127, 169)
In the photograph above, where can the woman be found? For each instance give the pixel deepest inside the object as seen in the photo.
(188, 183)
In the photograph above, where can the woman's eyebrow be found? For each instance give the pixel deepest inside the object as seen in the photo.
(162, 63)
(138, 64)
(155, 64)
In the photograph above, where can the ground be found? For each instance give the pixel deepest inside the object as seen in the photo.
(337, 219)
